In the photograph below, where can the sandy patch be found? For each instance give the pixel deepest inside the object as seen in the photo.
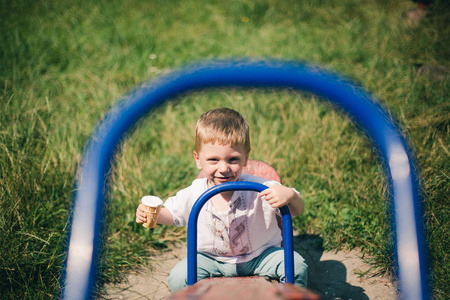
(334, 275)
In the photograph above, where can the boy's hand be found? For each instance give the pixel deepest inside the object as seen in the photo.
(141, 217)
(278, 195)
(165, 217)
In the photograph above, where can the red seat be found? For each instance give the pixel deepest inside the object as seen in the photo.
(248, 288)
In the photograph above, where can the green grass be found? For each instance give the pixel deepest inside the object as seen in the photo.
(64, 64)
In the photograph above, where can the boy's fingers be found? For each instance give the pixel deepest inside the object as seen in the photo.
(140, 215)
(265, 192)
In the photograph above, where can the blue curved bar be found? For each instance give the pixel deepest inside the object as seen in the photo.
(235, 186)
(89, 200)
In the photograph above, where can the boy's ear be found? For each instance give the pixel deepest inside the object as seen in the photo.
(246, 160)
(197, 160)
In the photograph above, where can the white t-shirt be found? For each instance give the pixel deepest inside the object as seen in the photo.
(235, 236)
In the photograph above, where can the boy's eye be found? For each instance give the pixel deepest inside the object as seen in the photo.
(234, 159)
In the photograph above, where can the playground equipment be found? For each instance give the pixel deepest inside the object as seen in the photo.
(252, 287)
(211, 293)
(84, 241)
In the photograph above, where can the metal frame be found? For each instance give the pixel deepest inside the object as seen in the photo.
(86, 229)
(288, 243)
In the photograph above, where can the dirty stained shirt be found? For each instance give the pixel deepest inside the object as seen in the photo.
(235, 236)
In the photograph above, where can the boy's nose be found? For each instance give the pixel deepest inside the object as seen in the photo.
(223, 167)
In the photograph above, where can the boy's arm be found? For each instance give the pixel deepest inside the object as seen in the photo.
(278, 195)
(164, 218)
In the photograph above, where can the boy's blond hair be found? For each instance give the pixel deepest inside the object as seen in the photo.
(223, 126)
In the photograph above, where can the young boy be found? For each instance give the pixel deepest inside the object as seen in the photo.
(238, 234)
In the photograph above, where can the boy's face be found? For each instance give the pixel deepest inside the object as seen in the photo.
(221, 163)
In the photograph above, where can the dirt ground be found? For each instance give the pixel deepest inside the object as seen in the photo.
(334, 275)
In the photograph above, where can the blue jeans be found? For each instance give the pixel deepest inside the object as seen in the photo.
(270, 263)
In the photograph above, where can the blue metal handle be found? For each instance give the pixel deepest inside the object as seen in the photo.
(84, 242)
(236, 186)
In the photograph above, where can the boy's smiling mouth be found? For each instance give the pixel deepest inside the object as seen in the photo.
(219, 180)
(223, 178)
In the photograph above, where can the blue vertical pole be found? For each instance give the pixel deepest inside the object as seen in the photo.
(288, 244)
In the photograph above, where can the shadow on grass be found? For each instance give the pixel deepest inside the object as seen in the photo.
(328, 278)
